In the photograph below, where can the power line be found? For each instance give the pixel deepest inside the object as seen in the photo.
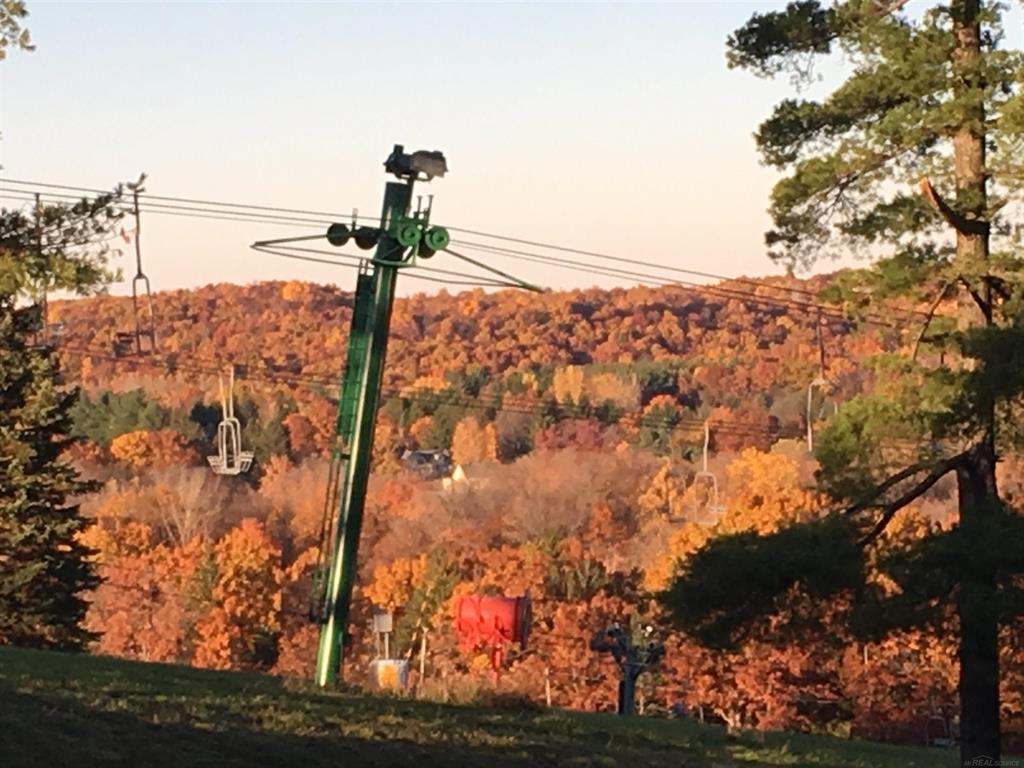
(432, 398)
(247, 216)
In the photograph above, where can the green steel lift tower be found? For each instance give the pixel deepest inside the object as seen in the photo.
(402, 237)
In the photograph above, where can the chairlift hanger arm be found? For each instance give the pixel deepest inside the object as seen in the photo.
(518, 283)
(412, 272)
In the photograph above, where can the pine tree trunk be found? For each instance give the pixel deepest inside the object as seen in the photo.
(976, 482)
(976, 609)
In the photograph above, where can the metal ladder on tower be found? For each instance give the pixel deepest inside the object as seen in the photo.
(344, 426)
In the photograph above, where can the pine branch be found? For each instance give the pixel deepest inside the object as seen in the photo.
(890, 508)
(958, 221)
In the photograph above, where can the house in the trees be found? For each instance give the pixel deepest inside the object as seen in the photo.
(430, 465)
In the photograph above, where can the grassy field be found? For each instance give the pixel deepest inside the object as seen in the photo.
(72, 710)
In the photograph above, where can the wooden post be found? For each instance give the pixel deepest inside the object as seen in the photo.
(547, 685)
(423, 654)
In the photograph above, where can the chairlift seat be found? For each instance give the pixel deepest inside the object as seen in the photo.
(124, 344)
(224, 466)
(230, 458)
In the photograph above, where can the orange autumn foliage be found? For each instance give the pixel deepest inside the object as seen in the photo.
(239, 631)
(144, 450)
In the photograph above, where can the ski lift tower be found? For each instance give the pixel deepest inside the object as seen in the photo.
(401, 237)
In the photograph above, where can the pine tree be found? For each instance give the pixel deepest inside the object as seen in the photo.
(43, 566)
(914, 159)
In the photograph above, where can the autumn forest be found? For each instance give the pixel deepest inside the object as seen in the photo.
(573, 423)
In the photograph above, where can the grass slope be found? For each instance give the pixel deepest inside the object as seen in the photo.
(64, 710)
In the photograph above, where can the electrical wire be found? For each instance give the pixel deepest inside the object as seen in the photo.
(431, 398)
(645, 279)
(332, 216)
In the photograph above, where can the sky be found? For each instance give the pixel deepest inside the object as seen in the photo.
(609, 127)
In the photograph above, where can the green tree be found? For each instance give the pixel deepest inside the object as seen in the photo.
(263, 432)
(12, 33)
(914, 160)
(114, 413)
(43, 567)
(442, 426)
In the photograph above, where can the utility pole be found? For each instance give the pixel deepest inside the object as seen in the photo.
(401, 238)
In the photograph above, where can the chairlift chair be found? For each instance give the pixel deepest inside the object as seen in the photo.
(820, 384)
(128, 343)
(230, 458)
(713, 507)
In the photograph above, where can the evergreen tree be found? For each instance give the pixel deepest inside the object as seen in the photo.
(113, 413)
(43, 567)
(915, 160)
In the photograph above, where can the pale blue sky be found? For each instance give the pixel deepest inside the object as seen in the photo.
(607, 127)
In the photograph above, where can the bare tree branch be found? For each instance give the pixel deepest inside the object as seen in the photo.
(931, 314)
(977, 297)
(885, 8)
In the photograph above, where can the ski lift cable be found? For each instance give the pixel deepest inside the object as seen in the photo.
(652, 280)
(478, 233)
(647, 278)
(243, 217)
(411, 271)
(659, 280)
(225, 206)
(190, 201)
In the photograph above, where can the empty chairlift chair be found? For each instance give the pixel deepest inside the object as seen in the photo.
(708, 479)
(142, 340)
(818, 390)
(230, 458)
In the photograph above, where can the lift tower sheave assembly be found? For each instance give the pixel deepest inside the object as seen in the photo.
(399, 240)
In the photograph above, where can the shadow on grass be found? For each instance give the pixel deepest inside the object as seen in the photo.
(38, 731)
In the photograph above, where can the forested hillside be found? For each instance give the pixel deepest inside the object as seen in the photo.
(577, 419)
(731, 350)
